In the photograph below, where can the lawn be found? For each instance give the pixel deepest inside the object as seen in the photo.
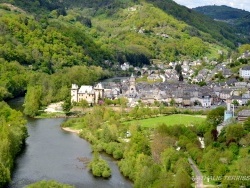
(170, 120)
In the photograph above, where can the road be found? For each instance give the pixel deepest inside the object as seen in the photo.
(198, 176)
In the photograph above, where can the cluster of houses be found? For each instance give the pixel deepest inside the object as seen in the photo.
(170, 91)
(204, 75)
(179, 93)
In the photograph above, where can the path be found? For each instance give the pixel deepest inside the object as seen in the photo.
(198, 176)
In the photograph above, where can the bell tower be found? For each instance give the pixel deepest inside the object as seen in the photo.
(74, 93)
(99, 92)
(132, 84)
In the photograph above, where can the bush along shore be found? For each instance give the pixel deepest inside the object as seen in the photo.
(99, 167)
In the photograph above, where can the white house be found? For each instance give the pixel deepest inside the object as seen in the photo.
(245, 72)
(125, 66)
(206, 100)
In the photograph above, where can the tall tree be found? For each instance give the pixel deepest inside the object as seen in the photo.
(32, 100)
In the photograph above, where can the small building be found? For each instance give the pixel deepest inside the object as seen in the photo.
(245, 98)
(206, 100)
(153, 77)
(125, 66)
(245, 72)
(225, 94)
(243, 115)
(186, 101)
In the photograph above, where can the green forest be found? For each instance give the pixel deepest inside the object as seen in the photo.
(237, 18)
(222, 12)
(117, 31)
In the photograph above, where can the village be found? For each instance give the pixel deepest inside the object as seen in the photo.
(164, 87)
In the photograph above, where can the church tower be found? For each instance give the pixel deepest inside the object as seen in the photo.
(132, 84)
(99, 92)
(74, 93)
(131, 92)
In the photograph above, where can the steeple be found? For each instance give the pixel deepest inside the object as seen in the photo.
(132, 80)
(74, 93)
(132, 84)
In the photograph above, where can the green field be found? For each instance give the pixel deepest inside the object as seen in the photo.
(169, 120)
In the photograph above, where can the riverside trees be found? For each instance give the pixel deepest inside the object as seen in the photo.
(102, 127)
(12, 135)
(44, 89)
(152, 157)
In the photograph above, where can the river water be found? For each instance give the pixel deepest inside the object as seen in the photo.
(52, 153)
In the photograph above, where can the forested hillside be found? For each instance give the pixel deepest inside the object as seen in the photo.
(46, 44)
(219, 31)
(222, 12)
(240, 19)
(121, 31)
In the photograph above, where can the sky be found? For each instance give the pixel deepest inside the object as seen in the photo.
(240, 4)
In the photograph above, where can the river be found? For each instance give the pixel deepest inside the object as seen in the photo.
(51, 153)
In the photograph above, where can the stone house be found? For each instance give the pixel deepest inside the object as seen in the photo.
(243, 115)
(86, 92)
(153, 77)
(225, 94)
(245, 98)
(206, 100)
(186, 101)
(226, 73)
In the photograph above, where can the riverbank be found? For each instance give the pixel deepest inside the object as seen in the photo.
(68, 129)
(52, 153)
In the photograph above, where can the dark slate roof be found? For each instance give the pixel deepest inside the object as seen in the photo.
(231, 81)
(245, 113)
(226, 91)
(236, 97)
(246, 67)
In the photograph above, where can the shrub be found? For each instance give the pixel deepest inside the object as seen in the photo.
(99, 167)
(48, 184)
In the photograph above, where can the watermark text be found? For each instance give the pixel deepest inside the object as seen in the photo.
(220, 178)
